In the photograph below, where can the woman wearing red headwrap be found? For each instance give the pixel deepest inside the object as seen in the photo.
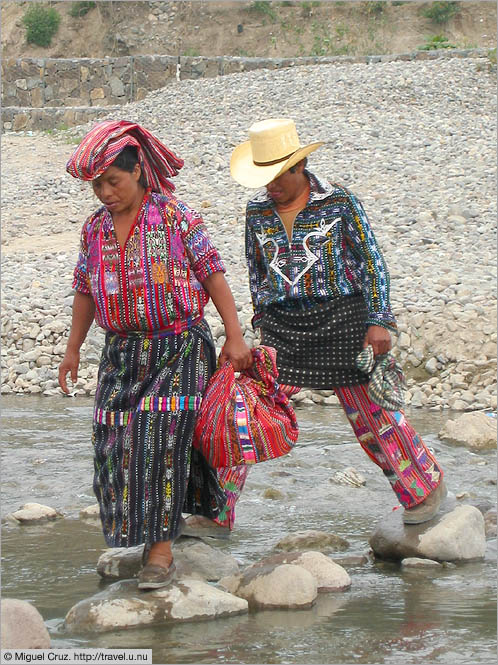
(145, 272)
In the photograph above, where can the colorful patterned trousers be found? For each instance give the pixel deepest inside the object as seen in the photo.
(387, 438)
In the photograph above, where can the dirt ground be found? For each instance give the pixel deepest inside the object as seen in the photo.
(265, 29)
(29, 222)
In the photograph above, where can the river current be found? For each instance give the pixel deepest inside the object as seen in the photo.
(388, 616)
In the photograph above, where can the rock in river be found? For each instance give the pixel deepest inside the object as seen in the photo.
(22, 626)
(193, 558)
(457, 535)
(312, 539)
(123, 606)
(31, 513)
(475, 430)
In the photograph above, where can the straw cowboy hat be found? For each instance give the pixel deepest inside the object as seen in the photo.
(272, 149)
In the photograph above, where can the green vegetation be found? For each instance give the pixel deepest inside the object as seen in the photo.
(490, 65)
(436, 42)
(41, 24)
(441, 12)
(263, 7)
(81, 8)
(191, 52)
(373, 8)
(62, 127)
(306, 5)
(323, 44)
(341, 30)
(307, 8)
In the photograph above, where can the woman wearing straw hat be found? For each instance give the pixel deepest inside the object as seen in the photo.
(145, 272)
(320, 292)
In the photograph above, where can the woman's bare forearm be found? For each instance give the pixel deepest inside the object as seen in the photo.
(221, 295)
(82, 319)
(235, 349)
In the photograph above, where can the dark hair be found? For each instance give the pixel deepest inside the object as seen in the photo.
(293, 168)
(127, 160)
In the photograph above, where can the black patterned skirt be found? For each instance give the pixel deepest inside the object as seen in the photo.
(146, 403)
(317, 346)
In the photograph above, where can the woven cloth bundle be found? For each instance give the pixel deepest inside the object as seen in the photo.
(103, 143)
(245, 419)
(387, 382)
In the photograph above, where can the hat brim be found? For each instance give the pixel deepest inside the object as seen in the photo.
(247, 173)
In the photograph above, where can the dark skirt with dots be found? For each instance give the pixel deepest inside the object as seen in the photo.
(146, 403)
(317, 346)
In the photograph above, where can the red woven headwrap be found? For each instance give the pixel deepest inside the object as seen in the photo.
(106, 140)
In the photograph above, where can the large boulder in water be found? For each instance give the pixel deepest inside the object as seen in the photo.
(475, 430)
(122, 605)
(457, 535)
(193, 558)
(312, 540)
(278, 586)
(32, 513)
(329, 576)
(22, 626)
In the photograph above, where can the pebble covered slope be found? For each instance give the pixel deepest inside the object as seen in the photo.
(414, 140)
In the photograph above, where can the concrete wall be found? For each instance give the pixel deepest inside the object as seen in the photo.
(45, 93)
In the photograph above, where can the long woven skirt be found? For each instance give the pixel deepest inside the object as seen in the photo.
(317, 346)
(146, 472)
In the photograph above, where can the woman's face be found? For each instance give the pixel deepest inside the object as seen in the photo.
(285, 189)
(120, 191)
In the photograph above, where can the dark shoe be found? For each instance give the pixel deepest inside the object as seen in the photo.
(426, 510)
(203, 527)
(155, 577)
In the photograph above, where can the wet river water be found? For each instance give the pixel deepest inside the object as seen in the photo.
(447, 615)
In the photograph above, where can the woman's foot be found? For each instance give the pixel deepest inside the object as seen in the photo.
(198, 526)
(159, 569)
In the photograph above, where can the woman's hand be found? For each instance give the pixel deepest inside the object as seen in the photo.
(237, 352)
(379, 338)
(83, 313)
(70, 363)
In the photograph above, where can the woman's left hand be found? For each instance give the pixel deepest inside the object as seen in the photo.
(379, 338)
(236, 351)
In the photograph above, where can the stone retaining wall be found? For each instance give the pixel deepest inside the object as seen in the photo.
(47, 93)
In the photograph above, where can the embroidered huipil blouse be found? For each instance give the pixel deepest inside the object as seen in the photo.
(332, 253)
(153, 284)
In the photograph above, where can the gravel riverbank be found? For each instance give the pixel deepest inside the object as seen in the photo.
(414, 140)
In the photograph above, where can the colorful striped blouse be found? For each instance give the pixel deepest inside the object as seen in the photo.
(154, 283)
(332, 253)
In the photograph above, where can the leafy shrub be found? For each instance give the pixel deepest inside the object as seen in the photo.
(373, 8)
(262, 7)
(41, 24)
(307, 8)
(81, 8)
(191, 52)
(441, 12)
(436, 42)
